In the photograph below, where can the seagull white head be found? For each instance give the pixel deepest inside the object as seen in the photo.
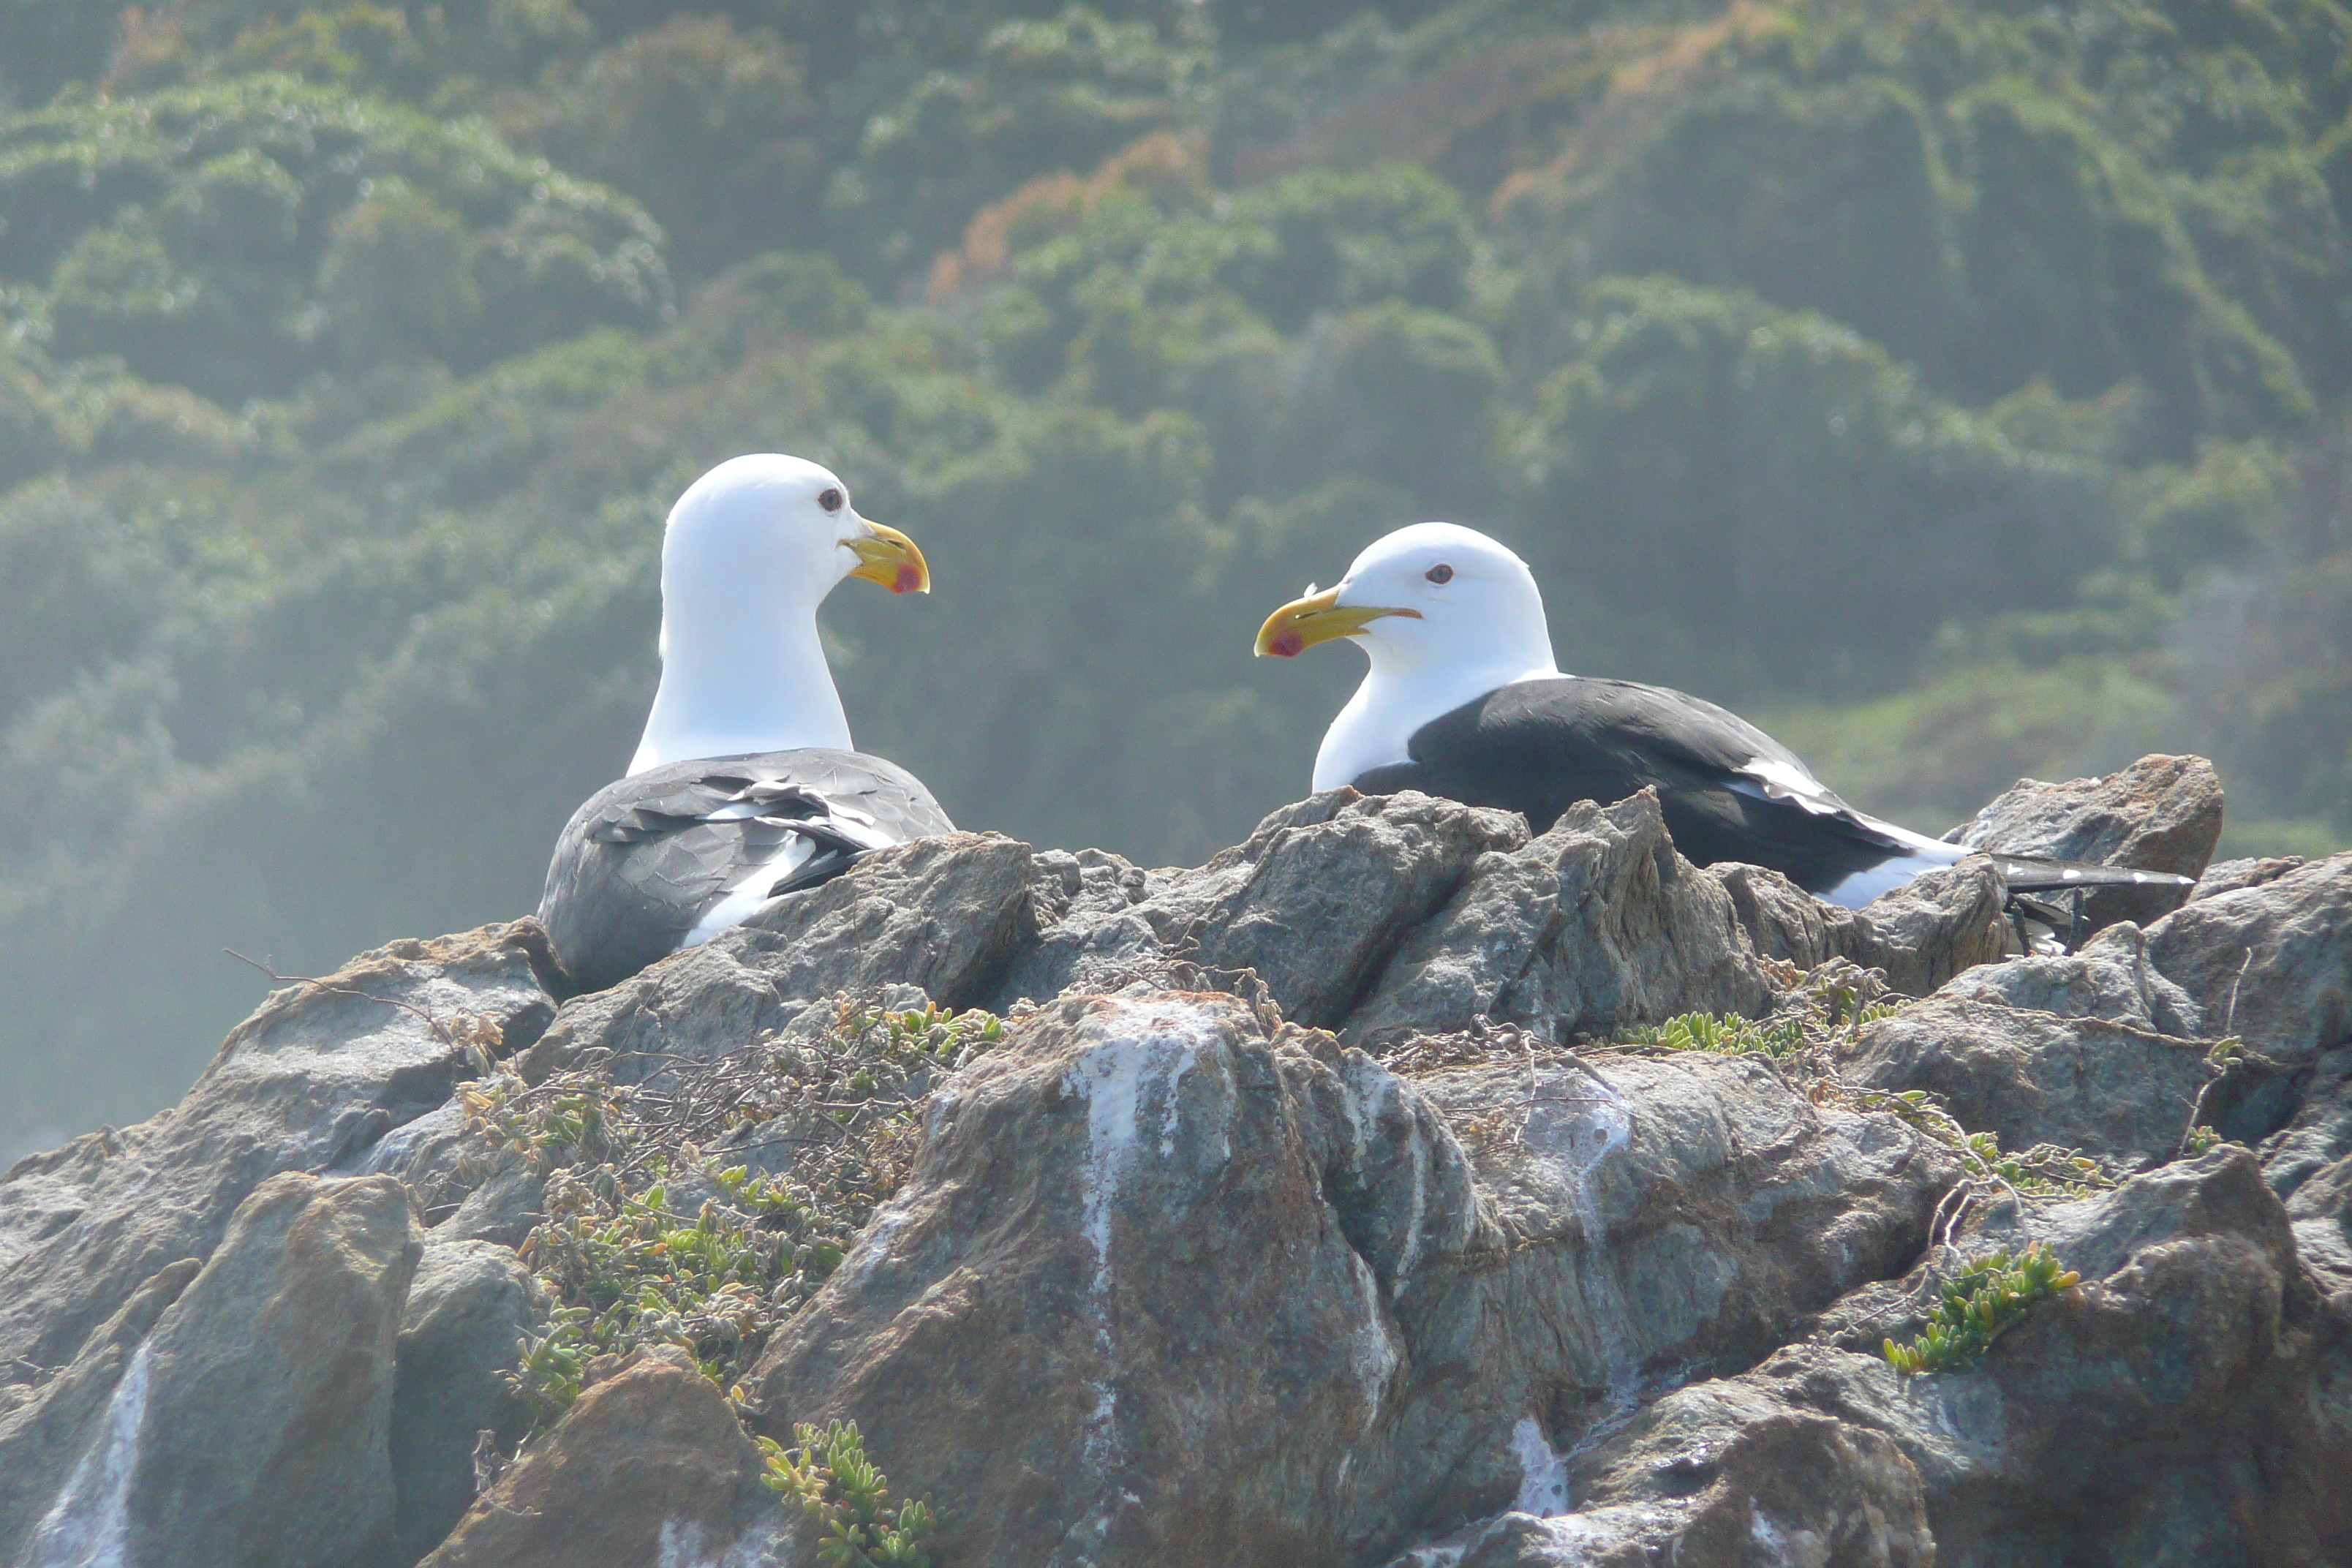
(751, 551)
(1444, 614)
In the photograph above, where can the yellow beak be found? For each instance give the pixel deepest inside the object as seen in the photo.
(1320, 617)
(888, 557)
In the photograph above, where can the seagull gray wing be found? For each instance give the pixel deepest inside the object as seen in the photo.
(670, 856)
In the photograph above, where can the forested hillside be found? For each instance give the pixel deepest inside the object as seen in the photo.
(1960, 387)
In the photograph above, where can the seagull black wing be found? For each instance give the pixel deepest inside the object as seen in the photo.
(670, 856)
(1728, 791)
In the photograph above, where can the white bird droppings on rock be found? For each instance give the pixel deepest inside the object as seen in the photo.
(89, 1526)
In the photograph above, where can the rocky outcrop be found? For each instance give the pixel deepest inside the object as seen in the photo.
(1315, 901)
(468, 1310)
(1922, 934)
(2270, 964)
(2177, 1405)
(312, 1082)
(1030, 1320)
(2228, 876)
(649, 1466)
(2109, 977)
(1034, 1320)
(2125, 1095)
(944, 914)
(252, 1423)
(1720, 1474)
(48, 1429)
(1336, 1202)
(1595, 926)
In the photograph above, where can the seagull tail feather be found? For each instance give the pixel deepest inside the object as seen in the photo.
(2033, 874)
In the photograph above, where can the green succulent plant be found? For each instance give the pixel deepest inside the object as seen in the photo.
(1986, 1298)
(848, 1498)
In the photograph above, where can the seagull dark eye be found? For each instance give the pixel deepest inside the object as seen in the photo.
(1440, 573)
(830, 500)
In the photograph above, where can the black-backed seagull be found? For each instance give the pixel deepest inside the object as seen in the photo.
(1464, 699)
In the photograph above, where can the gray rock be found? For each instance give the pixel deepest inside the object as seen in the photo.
(2321, 1208)
(2176, 1407)
(2108, 978)
(252, 1424)
(503, 1209)
(1092, 927)
(1314, 902)
(947, 914)
(696, 1005)
(1658, 1217)
(2326, 1246)
(2319, 1135)
(1318, 899)
(2123, 1419)
(2122, 1095)
(46, 1430)
(2161, 814)
(1726, 1474)
(1936, 925)
(460, 1331)
(427, 1154)
(2325, 1193)
(1040, 1329)
(648, 1467)
(1102, 1199)
(313, 1080)
(2228, 876)
(1086, 904)
(1172, 1279)
(1919, 935)
(2271, 963)
(1595, 926)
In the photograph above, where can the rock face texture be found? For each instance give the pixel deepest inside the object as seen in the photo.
(1136, 1171)
(2122, 1094)
(252, 1423)
(1919, 936)
(2269, 965)
(471, 1305)
(1598, 923)
(1315, 901)
(1348, 1201)
(312, 1082)
(2181, 1404)
(649, 1466)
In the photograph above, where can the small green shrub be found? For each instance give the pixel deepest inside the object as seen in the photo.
(840, 1488)
(1839, 995)
(1729, 1035)
(1830, 1004)
(2201, 1140)
(628, 1266)
(2044, 1171)
(1984, 1301)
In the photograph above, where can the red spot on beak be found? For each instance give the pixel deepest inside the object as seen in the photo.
(907, 580)
(1286, 645)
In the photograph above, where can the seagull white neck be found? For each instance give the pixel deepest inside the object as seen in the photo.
(1375, 729)
(736, 685)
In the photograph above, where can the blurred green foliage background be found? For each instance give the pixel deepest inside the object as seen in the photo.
(1959, 388)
